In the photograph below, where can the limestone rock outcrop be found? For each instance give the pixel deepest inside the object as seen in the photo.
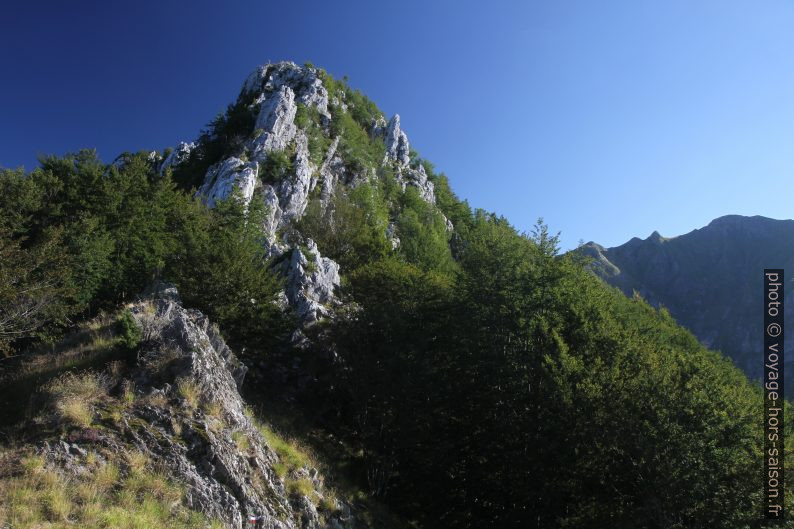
(177, 156)
(274, 94)
(311, 282)
(188, 417)
(223, 178)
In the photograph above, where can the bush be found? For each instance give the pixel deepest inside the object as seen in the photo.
(291, 456)
(223, 137)
(357, 149)
(424, 239)
(223, 270)
(352, 228)
(128, 331)
(276, 167)
(189, 391)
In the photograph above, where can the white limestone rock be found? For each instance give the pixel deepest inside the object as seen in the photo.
(305, 81)
(397, 146)
(311, 282)
(274, 213)
(276, 121)
(329, 171)
(398, 152)
(222, 178)
(448, 223)
(177, 156)
(294, 191)
(408, 176)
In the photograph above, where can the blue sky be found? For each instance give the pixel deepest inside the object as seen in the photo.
(609, 119)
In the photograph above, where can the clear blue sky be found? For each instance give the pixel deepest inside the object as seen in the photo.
(609, 119)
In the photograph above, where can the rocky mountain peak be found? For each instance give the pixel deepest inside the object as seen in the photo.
(294, 110)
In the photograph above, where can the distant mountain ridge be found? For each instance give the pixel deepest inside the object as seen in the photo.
(710, 279)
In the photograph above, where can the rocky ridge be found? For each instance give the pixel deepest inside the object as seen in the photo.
(188, 417)
(274, 92)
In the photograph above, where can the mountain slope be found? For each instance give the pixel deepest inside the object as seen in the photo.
(457, 371)
(710, 279)
(170, 422)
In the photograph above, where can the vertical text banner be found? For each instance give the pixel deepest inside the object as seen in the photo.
(773, 394)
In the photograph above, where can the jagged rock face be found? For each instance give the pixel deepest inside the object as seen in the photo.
(195, 440)
(223, 178)
(408, 176)
(177, 156)
(295, 191)
(311, 280)
(279, 88)
(397, 146)
(272, 77)
(276, 119)
(275, 91)
(398, 150)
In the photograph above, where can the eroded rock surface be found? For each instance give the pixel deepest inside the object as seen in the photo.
(275, 93)
(189, 418)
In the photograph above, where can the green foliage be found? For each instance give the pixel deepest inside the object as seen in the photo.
(457, 211)
(302, 119)
(358, 150)
(224, 136)
(424, 239)
(352, 228)
(485, 380)
(77, 236)
(129, 331)
(291, 456)
(84, 234)
(222, 269)
(524, 364)
(390, 351)
(361, 108)
(309, 120)
(277, 166)
(34, 286)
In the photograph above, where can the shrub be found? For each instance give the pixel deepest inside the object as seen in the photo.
(277, 166)
(241, 441)
(128, 392)
(224, 136)
(424, 239)
(352, 228)
(76, 411)
(223, 270)
(129, 331)
(358, 150)
(328, 502)
(214, 409)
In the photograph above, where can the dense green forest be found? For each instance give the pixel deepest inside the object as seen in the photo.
(483, 379)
